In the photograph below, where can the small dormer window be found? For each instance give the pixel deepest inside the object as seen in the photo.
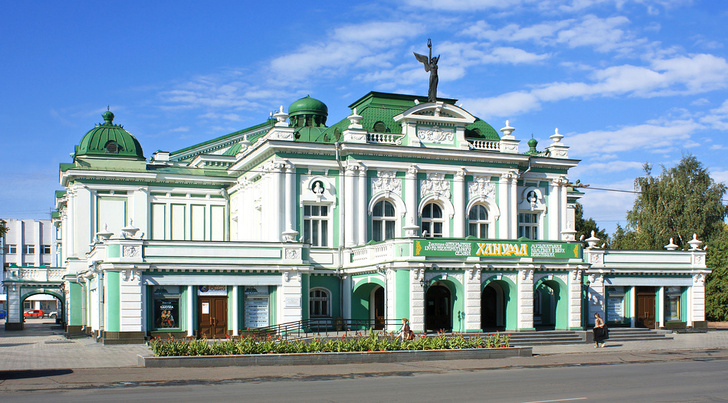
(111, 147)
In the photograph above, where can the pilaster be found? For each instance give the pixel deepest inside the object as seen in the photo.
(417, 299)
(472, 298)
(525, 299)
(459, 202)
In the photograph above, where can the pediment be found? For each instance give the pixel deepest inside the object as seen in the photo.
(436, 113)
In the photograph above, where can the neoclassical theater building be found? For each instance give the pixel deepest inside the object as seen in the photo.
(403, 209)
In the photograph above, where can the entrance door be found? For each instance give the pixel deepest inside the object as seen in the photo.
(489, 308)
(645, 307)
(379, 308)
(213, 317)
(438, 312)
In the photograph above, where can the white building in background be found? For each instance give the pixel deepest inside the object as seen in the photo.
(27, 244)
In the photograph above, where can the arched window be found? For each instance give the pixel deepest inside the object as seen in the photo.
(432, 221)
(478, 221)
(383, 221)
(319, 301)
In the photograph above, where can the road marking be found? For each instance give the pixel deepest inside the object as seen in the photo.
(558, 400)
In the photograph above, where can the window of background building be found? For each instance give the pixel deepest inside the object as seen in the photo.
(478, 221)
(383, 221)
(672, 303)
(319, 303)
(46, 249)
(432, 220)
(29, 249)
(316, 225)
(10, 248)
(528, 225)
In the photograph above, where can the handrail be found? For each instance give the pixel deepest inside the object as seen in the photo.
(321, 326)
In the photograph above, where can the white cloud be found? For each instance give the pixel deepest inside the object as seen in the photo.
(681, 75)
(608, 207)
(717, 118)
(648, 137)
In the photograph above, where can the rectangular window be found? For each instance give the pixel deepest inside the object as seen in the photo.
(528, 225)
(29, 249)
(316, 225)
(672, 303)
(10, 248)
(46, 249)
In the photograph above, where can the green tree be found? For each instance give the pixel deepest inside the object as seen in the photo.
(3, 227)
(679, 202)
(585, 227)
(716, 285)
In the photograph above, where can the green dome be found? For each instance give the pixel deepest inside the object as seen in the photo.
(308, 106)
(110, 141)
(532, 146)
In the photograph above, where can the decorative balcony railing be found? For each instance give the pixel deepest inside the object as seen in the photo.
(384, 138)
(484, 145)
(40, 274)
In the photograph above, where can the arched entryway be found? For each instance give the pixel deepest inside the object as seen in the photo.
(368, 308)
(493, 302)
(438, 308)
(550, 304)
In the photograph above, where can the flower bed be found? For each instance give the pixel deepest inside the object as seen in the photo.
(375, 341)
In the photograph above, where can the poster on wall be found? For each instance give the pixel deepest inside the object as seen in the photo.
(256, 312)
(166, 313)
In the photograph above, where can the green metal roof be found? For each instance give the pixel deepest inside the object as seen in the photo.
(378, 110)
(201, 147)
(109, 141)
(308, 105)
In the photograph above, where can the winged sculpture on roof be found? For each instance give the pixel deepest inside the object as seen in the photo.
(431, 67)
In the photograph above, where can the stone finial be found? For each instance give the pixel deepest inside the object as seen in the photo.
(671, 245)
(695, 243)
(507, 131)
(592, 241)
(355, 120)
(280, 117)
(556, 137)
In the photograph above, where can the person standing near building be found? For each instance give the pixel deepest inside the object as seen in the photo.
(600, 330)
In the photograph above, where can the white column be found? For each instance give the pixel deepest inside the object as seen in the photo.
(290, 292)
(346, 296)
(236, 309)
(554, 209)
(525, 299)
(140, 211)
(575, 301)
(633, 307)
(459, 201)
(472, 299)
(513, 207)
(661, 306)
(276, 202)
(190, 319)
(290, 200)
(411, 195)
(697, 299)
(349, 205)
(361, 206)
(417, 300)
(597, 306)
(130, 301)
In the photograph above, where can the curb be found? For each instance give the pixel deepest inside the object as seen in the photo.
(331, 358)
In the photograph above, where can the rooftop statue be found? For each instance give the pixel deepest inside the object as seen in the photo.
(430, 66)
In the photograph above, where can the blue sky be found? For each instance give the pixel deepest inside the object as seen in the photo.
(626, 82)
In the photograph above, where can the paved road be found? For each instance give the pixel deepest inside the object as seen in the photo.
(39, 360)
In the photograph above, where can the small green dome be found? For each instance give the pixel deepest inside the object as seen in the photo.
(308, 106)
(110, 141)
(532, 146)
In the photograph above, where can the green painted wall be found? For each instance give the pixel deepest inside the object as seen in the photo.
(509, 299)
(273, 305)
(402, 300)
(113, 300)
(305, 289)
(75, 299)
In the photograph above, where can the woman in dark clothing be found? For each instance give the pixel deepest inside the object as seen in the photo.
(600, 330)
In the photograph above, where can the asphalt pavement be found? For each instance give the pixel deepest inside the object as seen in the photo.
(41, 358)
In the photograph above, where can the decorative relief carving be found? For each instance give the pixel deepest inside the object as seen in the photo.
(576, 275)
(293, 254)
(435, 184)
(699, 279)
(527, 274)
(131, 275)
(387, 181)
(481, 187)
(130, 251)
(436, 134)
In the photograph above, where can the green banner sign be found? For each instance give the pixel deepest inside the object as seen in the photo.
(501, 249)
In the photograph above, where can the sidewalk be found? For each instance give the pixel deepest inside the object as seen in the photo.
(42, 346)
